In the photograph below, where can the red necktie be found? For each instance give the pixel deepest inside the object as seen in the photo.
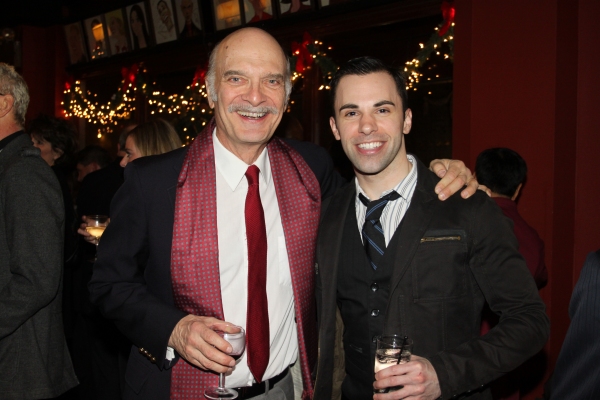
(257, 317)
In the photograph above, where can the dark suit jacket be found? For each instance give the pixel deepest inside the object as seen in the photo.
(34, 360)
(577, 372)
(97, 190)
(439, 286)
(134, 289)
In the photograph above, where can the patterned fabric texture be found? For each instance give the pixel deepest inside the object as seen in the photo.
(195, 254)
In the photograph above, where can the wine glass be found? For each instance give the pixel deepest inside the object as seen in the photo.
(238, 343)
(95, 227)
(391, 350)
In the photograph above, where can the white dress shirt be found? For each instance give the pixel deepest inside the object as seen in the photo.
(395, 209)
(232, 188)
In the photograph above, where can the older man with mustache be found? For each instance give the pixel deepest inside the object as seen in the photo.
(221, 231)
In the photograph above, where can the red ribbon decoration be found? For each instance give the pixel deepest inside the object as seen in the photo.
(303, 57)
(199, 76)
(69, 83)
(448, 12)
(129, 75)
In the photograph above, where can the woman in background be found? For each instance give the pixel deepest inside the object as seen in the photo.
(56, 140)
(150, 138)
(110, 349)
(147, 139)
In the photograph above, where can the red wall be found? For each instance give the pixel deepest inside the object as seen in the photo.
(44, 63)
(525, 77)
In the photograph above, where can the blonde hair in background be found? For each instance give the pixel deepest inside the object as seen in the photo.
(12, 83)
(155, 137)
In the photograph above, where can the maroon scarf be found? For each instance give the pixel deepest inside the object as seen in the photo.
(195, 255)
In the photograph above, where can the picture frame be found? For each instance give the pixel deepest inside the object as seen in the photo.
(227, 14)
(164, 22)
(189, 19)
(95, 30)
(118, 38)
(327, 3)
(76, 43)
(140, 30)
(258, 10)
(289, 7)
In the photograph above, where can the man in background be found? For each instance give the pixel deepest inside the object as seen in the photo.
(577, 371)
(35, 360)
(89, 159)
(504, 171)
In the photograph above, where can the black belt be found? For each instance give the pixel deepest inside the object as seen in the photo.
(257, 389)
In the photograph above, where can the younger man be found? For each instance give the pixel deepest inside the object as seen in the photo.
(427, 267)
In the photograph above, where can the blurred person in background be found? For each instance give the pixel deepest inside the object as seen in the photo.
(99, 186)
(577, 371)
(102, 351)
(504, 172)
(35, 362)
(56, 140)
(149, 139)
(89, 159)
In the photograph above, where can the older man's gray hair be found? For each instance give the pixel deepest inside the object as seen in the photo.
(11, 83)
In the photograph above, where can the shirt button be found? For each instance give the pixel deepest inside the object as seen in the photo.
(374, 313)
(374, 287)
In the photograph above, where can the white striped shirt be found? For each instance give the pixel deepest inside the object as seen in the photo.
(394, 210)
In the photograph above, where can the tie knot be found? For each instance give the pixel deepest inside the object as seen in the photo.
(252, 175)
(375, 207)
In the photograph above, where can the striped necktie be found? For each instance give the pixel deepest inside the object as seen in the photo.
(372, 232)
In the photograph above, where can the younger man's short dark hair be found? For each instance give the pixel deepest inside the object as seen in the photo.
(364, 66)
(502, 170)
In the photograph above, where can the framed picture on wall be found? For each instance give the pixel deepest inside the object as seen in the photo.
(140, 32)
(163, 21)
(75, 43)
(188, 18)
(117, 34)
(258, 10)
(287, 7)
(227, 14)
(325, 3)
(95, 31)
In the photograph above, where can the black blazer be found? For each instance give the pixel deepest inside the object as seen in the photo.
(577, 372)
(131, 283)
(439, 286)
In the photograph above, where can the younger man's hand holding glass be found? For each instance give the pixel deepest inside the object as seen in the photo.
(418, 378)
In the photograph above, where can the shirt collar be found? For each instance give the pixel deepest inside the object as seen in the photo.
(4, 142)
(233, 169)
(403, 187)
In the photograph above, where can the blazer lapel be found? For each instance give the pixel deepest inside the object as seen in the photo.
(330, 234)
(414, 224)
